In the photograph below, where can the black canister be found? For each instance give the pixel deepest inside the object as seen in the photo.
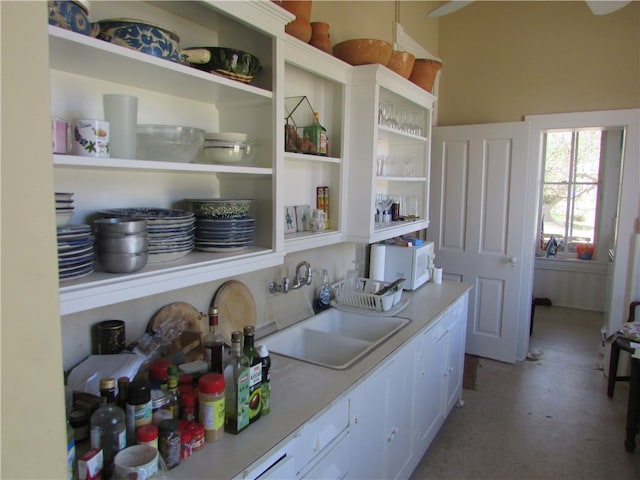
(111, 337)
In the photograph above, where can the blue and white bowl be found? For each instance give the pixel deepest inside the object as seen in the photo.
(141, 36)
(70, 15)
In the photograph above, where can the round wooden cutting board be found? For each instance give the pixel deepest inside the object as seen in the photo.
(171, 316)
(236, 308)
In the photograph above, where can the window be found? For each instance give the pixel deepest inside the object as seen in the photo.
(570, 188)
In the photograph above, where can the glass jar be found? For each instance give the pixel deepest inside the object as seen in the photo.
(169, 442)
(147, 435)
(160, 406)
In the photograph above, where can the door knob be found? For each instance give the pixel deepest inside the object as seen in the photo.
(513, 261)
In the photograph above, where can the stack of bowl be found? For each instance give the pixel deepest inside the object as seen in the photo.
(122, 244)
(222, 225)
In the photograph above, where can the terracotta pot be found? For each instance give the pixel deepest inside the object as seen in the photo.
(363, 51)
(320, 36)
(401, 63)
(300, 8)
(424, 73)
(300, 27)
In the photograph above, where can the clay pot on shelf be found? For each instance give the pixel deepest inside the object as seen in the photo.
(320, 36)
(301, 26)
(401, 63)
(424, 73)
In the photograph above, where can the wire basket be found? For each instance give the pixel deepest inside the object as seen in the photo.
(360, 293)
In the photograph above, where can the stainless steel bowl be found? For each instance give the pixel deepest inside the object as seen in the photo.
(120, 225)
(123, 262)
(127, 244)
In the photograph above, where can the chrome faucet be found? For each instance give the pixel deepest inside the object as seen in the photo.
(300, 281)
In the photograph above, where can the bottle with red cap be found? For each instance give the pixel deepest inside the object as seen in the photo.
(212, 406)
(159, 374)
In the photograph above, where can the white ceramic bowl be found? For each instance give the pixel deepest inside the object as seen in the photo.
(168, 143)
(232, 137)
(226, 152)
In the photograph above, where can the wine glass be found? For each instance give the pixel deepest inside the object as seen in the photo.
(383, 202)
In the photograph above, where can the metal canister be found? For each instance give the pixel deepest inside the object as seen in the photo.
(111, 337)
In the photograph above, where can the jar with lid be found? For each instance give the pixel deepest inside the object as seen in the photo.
(159, 374)
(138, 408)
(197, 436)
(147, 435)
(79, 420)
(160, 406)
(169, 442)
(188, 406)
(212, 406)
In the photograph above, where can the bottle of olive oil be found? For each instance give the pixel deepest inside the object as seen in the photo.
(255, 375)
(236, 380)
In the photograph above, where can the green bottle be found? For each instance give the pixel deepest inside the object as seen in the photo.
(255, 373)
(236, 380)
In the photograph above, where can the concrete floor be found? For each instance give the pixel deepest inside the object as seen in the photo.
(539, 419)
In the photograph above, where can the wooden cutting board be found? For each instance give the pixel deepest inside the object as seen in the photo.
(171, 316)
(236, 308)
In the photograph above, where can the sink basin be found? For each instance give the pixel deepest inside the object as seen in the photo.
(333, 338)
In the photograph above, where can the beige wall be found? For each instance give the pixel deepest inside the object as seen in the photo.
(503, 60)
(33, 433)
(374, 19)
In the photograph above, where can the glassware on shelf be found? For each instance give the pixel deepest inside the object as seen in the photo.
(407, 163)
(409, 209)
(383, 202)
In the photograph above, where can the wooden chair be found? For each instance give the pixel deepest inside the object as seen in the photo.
(633, 406)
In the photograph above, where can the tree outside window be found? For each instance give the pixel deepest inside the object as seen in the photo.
(569, 202)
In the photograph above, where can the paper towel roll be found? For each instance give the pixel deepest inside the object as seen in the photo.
(376, 262)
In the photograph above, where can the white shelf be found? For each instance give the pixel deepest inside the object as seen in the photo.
(305, 157)
(383, 178)
(82, 55)
(295, 242)
(75, 161)
(385, 132)
(101, 288)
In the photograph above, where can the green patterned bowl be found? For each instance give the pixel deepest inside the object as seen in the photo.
(219, 207)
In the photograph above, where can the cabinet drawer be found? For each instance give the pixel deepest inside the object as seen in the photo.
(335, 464)
(318, 433)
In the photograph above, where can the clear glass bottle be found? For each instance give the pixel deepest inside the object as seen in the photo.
(214, 344)
(255, 373)
(236, 380)
(108, 426)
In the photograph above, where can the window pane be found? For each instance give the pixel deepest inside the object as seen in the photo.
(588, 158)
(557, 157)
(554, 209)
(584, 214)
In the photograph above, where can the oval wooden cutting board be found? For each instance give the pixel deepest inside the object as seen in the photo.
(236, 308)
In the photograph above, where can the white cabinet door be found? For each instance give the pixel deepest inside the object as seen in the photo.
(431, 367)
(382, 420)
(367, 418)
(398, 407)
(457, 334)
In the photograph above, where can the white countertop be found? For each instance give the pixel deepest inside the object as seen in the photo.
(300, 390)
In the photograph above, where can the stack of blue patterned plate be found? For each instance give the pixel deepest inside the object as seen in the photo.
(171, 232)
(224, 234)
(76, 257)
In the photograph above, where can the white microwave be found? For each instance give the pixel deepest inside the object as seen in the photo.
(414, 264)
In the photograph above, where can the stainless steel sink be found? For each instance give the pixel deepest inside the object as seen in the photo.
(333, 338)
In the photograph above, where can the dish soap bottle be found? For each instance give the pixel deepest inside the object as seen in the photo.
(322, 299)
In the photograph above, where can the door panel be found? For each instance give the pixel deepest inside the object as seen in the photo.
(478, 200)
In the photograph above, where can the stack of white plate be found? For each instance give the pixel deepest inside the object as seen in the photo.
(224, 234)
(76, 256)
(171, 231)
(64, 208)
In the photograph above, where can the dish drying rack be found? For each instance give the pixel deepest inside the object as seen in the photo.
(361, 293)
